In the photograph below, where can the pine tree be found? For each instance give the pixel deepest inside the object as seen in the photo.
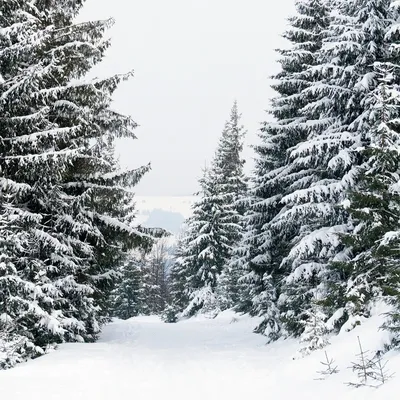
(329, 157)
(330, 367)
(155, 291)
(214, 228)
(371, 272)
(371, 371)
(64, 207)
(265, 244)
(228, 164)
(206, 250)
(129, 295)
(142, 287)
(315, 331)
(177, 277)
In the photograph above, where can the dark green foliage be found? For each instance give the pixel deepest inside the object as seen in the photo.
(64, 205)
(169, 315)
(142, 287)
(372, 271)
(213, 230)
(177, 278)
(271, 228)
(129, 296)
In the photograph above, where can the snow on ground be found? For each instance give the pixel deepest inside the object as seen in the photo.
(145, 359)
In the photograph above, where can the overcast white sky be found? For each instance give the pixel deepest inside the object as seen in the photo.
(191, 58)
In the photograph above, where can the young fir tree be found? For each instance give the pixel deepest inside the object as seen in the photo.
(142, 285)
(265, 245)
(206, 248)
(315, 331)
(128, 297)
(64, 225)
(214, 228)
(177, 278)
(344, 76)
(153, 301)
(155, 290)
(234, 189)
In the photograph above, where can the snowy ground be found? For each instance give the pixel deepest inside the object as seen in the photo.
(144, 358)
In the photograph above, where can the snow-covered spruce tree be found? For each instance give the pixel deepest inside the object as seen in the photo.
(372, 271)
(154, 270)
(265, 245)
(17, 224)
(128, 298)
(14, 244)
(142, 285)
(227, 165)
(177, 278)
(355, 39)
(63, 224)
(315, 331)
(214, 228)
(206, 250)
(232, 184)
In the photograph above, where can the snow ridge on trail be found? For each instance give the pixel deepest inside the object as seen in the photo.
(145, 359)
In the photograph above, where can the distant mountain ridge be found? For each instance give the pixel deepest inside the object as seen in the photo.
(167, 212)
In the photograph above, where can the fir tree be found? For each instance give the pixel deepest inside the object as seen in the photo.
(214, 228)
(228, 164)
(129, 294)
(65, 220)
(344, 77)
(315, 331)
(371, 371)
(330, 367)
(178, 275)
(371, 272)
(207, 250)
(265, 244)
(158, 263)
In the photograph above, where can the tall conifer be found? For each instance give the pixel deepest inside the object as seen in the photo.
(265, 244)
(66, 223)
(214, 228)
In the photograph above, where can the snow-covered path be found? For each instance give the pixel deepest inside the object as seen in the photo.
(204, 359)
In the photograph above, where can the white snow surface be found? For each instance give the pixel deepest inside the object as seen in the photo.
(201, 358)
